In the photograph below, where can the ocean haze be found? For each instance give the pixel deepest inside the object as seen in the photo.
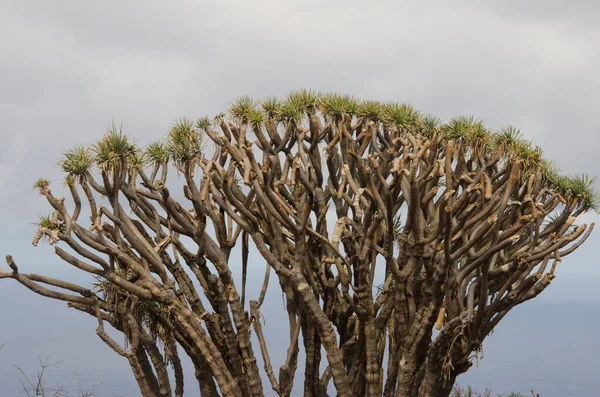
(68, 68)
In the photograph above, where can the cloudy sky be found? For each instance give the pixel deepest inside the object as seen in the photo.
(69, 68)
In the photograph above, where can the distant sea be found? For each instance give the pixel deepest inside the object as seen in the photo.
(553, 348)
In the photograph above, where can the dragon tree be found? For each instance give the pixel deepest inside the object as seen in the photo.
(399, 242)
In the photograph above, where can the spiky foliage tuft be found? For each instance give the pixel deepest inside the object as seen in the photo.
(582, 187)
(562, 185)
(105, 287)
(203, 123)
(402, 115)
(398, 227)
(291, 112)
(77, 161)
(154, 317)
(466, 128)
(138, 159)
(47, 222)
(69, 181)
(431, 123)
(338, 106)
(307, 100)
(272, 107)
(256, 117)
(508, 139)
(371, 110)
(242, 108)
(41, 183)
(532, 156)
(185, 142)
(113, 149)
(550, 171)
(157, 153)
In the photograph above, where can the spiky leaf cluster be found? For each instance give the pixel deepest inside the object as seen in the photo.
(48, 222)
(290, 113)
(203, 123)
(242, 109)
(157, 153)
(113, 150)
(371, 110)
(184, 141)
(582, 187)
(306, 100)
(338, 106)
(41, 183)
(271, 106)
(402, 115)
(508, 139)
(77, 161)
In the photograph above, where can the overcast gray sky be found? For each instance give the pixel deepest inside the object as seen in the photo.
(68, 68)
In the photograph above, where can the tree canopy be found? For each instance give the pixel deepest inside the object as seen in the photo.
(399, 241)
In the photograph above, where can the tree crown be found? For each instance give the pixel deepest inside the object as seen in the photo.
(461, 223)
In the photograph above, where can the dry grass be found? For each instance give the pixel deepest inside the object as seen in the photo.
(470, 392)
(37, 386)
